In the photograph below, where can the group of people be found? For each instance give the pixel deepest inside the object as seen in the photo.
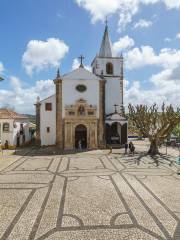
(131, 148)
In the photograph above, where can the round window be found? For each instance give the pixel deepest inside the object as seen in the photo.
(81, 88)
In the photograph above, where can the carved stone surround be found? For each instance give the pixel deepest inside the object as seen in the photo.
(79, 114)
(80, 110)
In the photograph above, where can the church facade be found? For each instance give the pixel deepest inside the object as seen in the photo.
(87, 109)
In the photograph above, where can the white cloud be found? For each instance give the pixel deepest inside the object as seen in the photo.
(144, 56)
(162, 91)
(165, 85)
(15, 83)
(122, 44)
(43, 54)
(1, 67)
(21, 98)
(178, 35)
(76, 65)
(166, 76)
(167, 39)
(126, 9)
(172, 3)
(142, 23)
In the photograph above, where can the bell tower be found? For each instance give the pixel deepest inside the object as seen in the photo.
(111, 68)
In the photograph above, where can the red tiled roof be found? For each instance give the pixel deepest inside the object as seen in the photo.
(9, 114)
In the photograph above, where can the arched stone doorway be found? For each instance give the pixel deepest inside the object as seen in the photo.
(80, 137)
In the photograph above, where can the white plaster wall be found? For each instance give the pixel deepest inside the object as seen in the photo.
(71, 95)
(113, 95)
(48, 119)
(11, 136)
(17, 130)
(6, 135)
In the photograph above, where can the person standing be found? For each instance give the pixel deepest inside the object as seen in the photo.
(126, 147)
(130, 147)
(80, 145)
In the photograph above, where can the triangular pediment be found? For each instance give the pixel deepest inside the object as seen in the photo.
(80, 74)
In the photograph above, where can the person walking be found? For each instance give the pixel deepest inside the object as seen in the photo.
(126, 147)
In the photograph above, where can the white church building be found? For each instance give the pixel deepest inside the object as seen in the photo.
(87, 109)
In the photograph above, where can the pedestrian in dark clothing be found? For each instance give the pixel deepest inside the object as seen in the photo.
(126, 148)
(130, 147)
(6, 144)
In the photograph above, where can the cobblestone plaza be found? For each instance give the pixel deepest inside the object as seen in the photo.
(92, 195)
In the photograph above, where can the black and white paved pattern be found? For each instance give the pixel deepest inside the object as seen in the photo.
(89, 196)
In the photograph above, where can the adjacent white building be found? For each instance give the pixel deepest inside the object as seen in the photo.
(14, 128)
(87, 108)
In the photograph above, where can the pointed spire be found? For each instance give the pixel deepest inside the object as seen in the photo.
(106, 50)
(58, 74)
(58, 77)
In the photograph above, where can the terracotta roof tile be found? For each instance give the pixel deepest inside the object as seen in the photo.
(9, 114)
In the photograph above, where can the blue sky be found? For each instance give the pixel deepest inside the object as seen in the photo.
(39, 35)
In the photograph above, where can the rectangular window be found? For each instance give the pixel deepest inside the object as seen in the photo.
(48, 129)
(6, 127)
(48, 106)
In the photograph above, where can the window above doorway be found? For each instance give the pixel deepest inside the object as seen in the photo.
(48, 106)
(81, 88)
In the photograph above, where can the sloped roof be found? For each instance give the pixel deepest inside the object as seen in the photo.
(80, 74)
(116, 117)
(9, 114)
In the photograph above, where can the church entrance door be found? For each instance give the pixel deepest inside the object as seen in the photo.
(81, 137)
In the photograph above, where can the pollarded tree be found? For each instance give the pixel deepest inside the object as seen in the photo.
(154, 124)
(176, 130)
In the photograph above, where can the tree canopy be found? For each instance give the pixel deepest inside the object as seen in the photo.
(153, 123)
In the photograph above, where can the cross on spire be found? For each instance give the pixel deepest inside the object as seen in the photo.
(81, 60)
(115, 105)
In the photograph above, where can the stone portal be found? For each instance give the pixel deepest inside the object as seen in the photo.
(80, 125)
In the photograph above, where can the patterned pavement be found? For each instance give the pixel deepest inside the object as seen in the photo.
(89, 196)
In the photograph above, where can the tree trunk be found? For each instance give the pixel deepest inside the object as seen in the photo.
(153, 150)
